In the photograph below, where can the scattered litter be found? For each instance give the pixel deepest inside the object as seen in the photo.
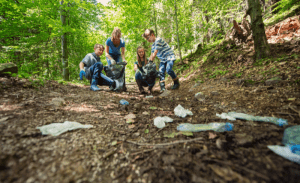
(56, 129)
(285, 151)
(181, 112)
(217, 127)
(124, 102)
(234, 116)
(153, 108)
(150, 96)
(159, 122)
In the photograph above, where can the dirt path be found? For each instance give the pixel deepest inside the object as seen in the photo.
(109, 151)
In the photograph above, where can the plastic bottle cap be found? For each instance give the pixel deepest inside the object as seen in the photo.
(281, 122)
(228, 126)
(295, 148)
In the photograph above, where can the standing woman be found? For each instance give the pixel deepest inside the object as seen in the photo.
(113, 45)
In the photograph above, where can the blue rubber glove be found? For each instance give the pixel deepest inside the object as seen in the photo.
(81, 74)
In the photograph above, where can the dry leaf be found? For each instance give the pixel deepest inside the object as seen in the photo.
(131, 126)
(211, 135)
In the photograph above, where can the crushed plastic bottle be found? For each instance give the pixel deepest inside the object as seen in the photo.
(56, 129)
(181, 112)
(286, 152)
(160, 122)
(217, 127)
(291, 135)
(124, 102)
(233, 116)
(291, 140)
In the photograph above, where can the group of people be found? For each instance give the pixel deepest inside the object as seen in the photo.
(91, 66)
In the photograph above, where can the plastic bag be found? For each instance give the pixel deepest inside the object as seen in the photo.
(291, 135)
(181, 112)
(160, 122)
(56, 129)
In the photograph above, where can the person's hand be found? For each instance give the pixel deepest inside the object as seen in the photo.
(124, 61)
(113, 62)
(81, 74)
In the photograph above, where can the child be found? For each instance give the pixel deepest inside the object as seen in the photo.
(142, 61)
(91, 67)
(162, 50)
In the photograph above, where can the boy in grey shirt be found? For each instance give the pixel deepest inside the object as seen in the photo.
(91, 67)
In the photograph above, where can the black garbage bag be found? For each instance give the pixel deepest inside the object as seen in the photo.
(149, 73)
(117, 73)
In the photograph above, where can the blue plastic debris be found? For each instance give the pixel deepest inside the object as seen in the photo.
(124, 102)
(217, 127)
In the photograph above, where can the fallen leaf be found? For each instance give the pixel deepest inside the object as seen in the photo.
(130, 121)
(4, 119)
(170, 135)
(187, 133)
(153, 108)
(146, 131)
(211, 135)
(131, 126)
(114, 143)
(145, 113)
(292, 99)
(130, 116)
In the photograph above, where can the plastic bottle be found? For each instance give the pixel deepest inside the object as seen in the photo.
(217, 127)
(124, 102)
(291, 135)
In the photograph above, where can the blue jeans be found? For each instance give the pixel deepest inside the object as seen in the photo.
(96, 73)
(117, 58)
(145, 83)
(166, 66)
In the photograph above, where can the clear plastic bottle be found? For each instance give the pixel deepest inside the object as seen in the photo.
(217, 127)
(124, 102)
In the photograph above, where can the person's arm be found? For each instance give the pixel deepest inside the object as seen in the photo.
(135, 67)
(123, 54)
(81, 66)
(107, 53)
(153, 55)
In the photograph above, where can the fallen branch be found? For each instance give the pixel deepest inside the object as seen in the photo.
(165, 144)
(294, 110)
(240, 167)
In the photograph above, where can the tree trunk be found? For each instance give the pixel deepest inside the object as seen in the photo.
(177, 32)
(64, 58)
(261, 45)
(155, 20)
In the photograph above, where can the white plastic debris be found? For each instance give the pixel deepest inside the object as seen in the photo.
(235, 115)
(181, 112)
(56, 129)
(226, 116)
(160, 122)
(285, 152)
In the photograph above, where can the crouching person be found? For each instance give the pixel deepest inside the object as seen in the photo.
(162, 50)
(91, 67)
(138, 68)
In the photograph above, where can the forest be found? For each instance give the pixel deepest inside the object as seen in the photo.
(238, 65)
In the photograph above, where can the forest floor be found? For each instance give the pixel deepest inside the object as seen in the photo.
(117, 151)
